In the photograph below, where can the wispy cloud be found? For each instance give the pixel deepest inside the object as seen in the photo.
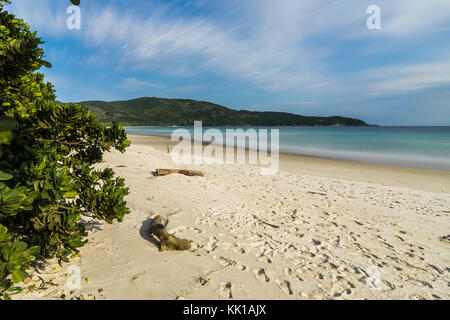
(197, 45)
(303, 51)
(49, 17)
(407, 78)
(269, 43)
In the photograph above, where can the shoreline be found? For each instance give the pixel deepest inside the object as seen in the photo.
(319, 229)
(408, 147)
(438, 180)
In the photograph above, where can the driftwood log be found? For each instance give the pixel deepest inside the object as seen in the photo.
(165, 172)
(167, 241)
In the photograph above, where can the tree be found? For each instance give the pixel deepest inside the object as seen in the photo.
(48, 152)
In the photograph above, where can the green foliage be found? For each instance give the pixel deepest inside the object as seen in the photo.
(180, 112)
(48, 153)
(15, 258)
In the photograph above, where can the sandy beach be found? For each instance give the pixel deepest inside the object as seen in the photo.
(319, 229)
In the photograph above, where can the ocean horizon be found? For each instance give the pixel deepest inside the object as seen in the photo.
(423, 147)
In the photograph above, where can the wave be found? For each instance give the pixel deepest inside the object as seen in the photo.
(395, 159)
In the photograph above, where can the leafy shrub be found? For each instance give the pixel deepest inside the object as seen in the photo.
(47, 155)
(15, 258)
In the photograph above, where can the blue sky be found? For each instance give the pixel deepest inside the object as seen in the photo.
(301, 56)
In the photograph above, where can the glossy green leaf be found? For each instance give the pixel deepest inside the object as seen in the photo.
(71, 194)
(18, 276)
(5, 176)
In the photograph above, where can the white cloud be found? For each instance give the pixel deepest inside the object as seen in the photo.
(407, 78)
(191, 46)
(416, 18)
(271, 44)
(49, 17)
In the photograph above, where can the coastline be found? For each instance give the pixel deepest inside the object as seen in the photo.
(437, 180)
(319, 229)
(409, 147)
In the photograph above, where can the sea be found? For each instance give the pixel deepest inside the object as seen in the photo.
(415, 147)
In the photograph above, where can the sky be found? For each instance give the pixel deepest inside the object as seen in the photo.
(310, 57)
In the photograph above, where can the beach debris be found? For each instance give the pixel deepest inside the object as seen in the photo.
(43, 283)
(266, 223)
(31, 287)
(100, 291)
(165, 172)
(28, 280)
(167, 241)
(203, 281)
(88, 279)
(319, 193)
(445, 238)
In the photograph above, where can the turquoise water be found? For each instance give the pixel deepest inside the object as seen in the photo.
(417, 147)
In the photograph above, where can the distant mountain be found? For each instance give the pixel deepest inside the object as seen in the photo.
(181, 112)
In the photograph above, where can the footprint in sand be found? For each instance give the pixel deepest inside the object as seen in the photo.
(178, 229)
(225, 290)
(224, 262)
(288, 271)
(211, 245)
(239, 250)
(285, 286)
(261, 275)
(195, 229)
(241, 267)
(264, 258)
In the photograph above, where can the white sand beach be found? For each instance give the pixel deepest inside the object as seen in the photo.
(320, 229)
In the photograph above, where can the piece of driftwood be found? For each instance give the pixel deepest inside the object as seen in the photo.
(167, 241)
(266, 223)
(165, 172)
(319, 193)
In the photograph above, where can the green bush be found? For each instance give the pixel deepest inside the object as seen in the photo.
(47, 157)
(15, 258)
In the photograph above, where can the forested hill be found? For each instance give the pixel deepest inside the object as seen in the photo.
(181, 112)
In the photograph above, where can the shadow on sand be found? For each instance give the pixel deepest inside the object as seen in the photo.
(144, 232)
